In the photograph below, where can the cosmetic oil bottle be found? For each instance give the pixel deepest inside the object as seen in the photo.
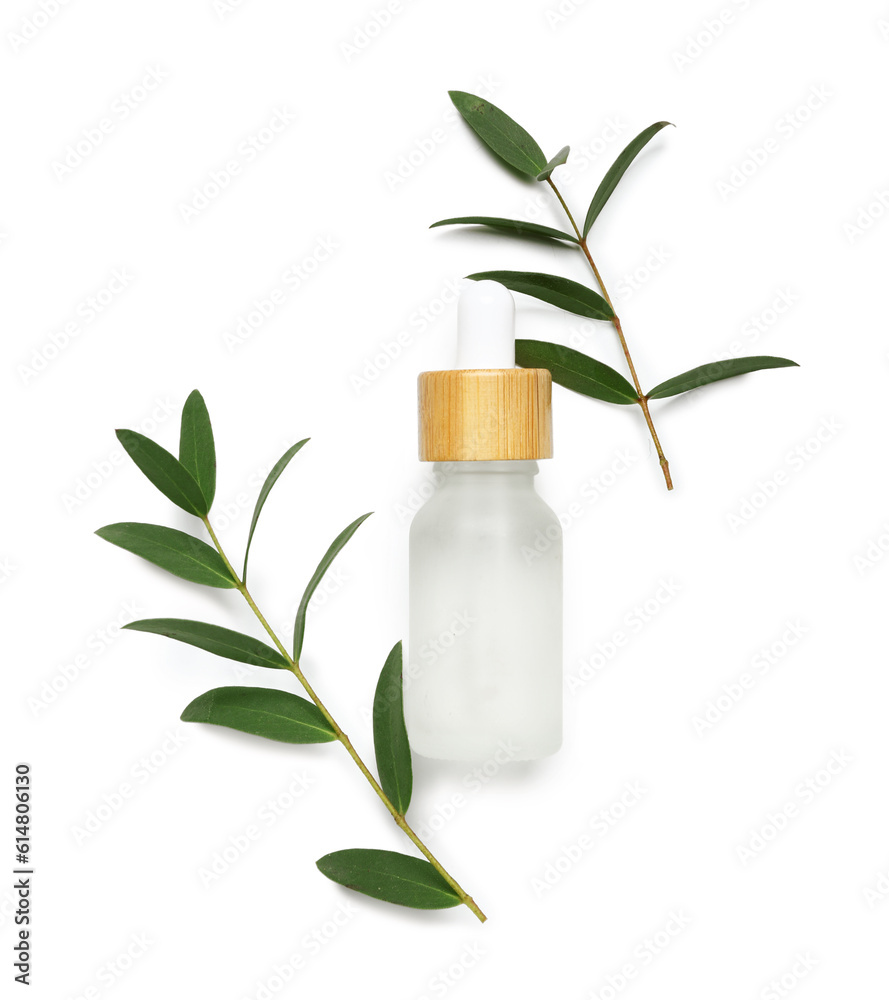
(484, 674)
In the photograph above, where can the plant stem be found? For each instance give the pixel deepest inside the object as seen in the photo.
(643, 399)
(465, 898)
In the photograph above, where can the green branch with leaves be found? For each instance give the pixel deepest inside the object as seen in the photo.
(189, 481)
(573, 369)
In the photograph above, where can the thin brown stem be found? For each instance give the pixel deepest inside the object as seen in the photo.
(465, 898)
(642, 398)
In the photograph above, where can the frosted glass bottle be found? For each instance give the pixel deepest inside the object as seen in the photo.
(484, 675)
(483, 678)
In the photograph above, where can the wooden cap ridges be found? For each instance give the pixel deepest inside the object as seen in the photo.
(485, 414)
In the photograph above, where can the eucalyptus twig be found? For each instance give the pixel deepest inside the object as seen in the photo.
(642, 398)
(294, 666)
(570, 368)
(190, 482)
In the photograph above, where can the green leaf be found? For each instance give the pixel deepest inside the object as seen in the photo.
(197, 452)
(299, 625)
(556, 161)
(388, 875)
(165, 471)
(714, 372)
(391, 745)
(575, 371)
(215, 639)
(513, 226)
(270, 481)
(276, 715)
(561, 292)
(172, 550)
(500, 133)
(616, 171)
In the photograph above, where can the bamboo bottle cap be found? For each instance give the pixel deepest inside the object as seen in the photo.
(485, 414)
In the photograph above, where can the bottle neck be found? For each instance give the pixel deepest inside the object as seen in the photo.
(520, 470)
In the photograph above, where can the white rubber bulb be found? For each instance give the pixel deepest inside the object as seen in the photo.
(485, 326)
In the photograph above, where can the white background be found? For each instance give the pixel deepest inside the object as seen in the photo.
(772, 539)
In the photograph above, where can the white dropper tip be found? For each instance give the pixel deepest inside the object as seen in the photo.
(485, 326)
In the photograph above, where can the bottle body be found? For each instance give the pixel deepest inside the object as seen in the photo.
(484, 672)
